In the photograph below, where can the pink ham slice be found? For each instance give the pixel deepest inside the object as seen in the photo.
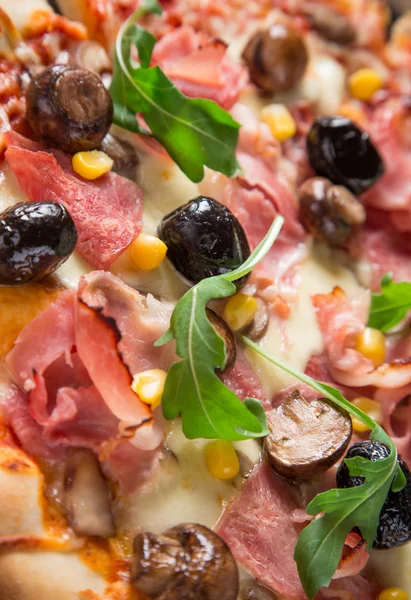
(107, 212)
(199, 66)
(341, 320)
(259, 528)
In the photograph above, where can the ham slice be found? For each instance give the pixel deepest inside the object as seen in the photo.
(107, 211)
(199, 66)
(259, 528)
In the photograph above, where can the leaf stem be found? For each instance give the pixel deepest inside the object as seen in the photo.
(323, 389)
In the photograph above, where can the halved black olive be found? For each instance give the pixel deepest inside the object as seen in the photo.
(35, 239)
(342, 152)
(204, 239)
(395, 518)
(69, 108)
(276, 58)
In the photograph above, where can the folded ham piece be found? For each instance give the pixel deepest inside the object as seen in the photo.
(107, 211)
(199, 66)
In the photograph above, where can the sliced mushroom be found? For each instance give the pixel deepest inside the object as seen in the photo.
(259, 325)
(123, 154)
(87, 496)
(305, 438)
(187, 562)
(228, 336)
(331, 25)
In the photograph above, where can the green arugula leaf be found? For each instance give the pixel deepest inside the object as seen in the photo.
(390, 306)
(320, 544)
(194, 131)
(208, 408)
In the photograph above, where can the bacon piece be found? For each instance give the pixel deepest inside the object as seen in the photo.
(396, 415)
(130, 466)
(107, 211)
(199, 67)
(259, 528)
(354, 556)
(341, 321)
(382, 249)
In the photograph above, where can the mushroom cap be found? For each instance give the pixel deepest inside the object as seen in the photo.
(187, 562)
(228, 336)
(306, 438)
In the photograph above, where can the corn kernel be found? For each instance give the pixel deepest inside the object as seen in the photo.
(147, 252)
(371, 408)
(280, 121)
(393, 594)
(371, 344)
(221, 459)
(92, 164)
(240, 310)
(364, 83)
(149, 386)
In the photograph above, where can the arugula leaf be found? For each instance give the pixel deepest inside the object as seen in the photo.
(320, 544)
(194, 131)
(208, 408)
(390, 306)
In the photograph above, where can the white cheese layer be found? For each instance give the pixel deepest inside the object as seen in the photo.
(20, 11)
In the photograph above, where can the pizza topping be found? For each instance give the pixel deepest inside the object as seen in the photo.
(183, 561)
(123, 154)
(329, 212)
(240, 311)
(106, 212)
(277, 58)
(92, 164)
(204, 239)
(364, 83)
(221, 459)
(35, 239)
(371, 344)
(259, 325)
(333, 26)
(69, 108)
(227, 334)
(306, 438)
(394, 527)
(86, 495)
(147, 252)
(149, 386)
(339, 150)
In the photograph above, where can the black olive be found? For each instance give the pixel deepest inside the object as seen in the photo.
(339, 150)
(35, 239)
(395, 518)
(329, 212)
(69, 108)
(204, 239)
(276, 58)
(123, 154)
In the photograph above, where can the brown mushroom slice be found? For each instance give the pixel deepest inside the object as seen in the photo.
(259, 325)
(87, 496)
(228, 336)
(306, 438)
(187, 562)
(123, 154)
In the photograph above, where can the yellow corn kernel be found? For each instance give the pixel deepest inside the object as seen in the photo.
(371, 344)
(147, 252)
(279, 120)
(92, 164)
(393, 593)
(221, 459)
(364, 83)
(240, 311)
(149, 386)
(371, 408)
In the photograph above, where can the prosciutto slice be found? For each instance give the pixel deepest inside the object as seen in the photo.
(199, 66)
(341, 321)
(259, 528)
(107, 211)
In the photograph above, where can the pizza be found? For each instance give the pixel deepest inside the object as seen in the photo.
(205, 296)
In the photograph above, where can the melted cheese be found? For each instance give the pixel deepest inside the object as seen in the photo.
(392, 568)
(299, 337)
(182, 490)
(21, 11)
